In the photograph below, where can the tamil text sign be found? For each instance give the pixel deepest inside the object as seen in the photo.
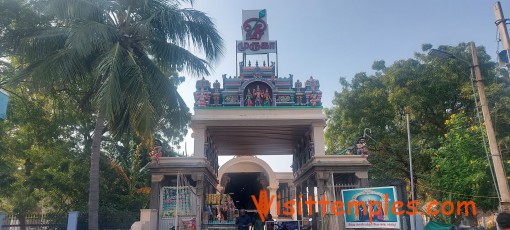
(255, 47)
(255, 34)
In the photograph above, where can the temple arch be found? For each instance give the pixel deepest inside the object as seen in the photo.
(247, 164)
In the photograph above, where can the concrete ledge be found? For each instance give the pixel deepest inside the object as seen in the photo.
(332, 163)
(223, 117)
(185, 165)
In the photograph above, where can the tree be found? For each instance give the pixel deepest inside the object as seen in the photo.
(433, 89)
(470, 174)
(120, 56)
(40, 167)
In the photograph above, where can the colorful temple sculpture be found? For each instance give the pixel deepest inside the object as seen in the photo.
(258, 86)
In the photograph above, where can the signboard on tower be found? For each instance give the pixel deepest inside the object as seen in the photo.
(255, 34)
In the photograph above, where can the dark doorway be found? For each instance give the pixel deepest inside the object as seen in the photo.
(241, 186)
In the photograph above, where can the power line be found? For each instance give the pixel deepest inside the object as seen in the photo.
(455, 193)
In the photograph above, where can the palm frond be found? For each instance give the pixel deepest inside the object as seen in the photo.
(91, 36)
(41, 43)
(70, 10)
(171, 56)
(180, 26)
(62, 68)
(138, 112)
(203, 33)
(110, 68)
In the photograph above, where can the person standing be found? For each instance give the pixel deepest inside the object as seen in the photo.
(257, 223)
(243, 222)
(269, 222)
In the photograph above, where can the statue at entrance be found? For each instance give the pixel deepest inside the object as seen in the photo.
(156, 152)
(361, 148)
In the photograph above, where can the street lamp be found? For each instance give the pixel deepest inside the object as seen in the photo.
(501, 179)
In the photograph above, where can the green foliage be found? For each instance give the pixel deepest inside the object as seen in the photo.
(379, 65)
(426, 47)
(117, 60)
(460, 165)
(122, 64)
(37, 150)
(432, 90)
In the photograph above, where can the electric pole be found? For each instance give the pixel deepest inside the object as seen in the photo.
(493, 145)
(501, 23)
(504, 56)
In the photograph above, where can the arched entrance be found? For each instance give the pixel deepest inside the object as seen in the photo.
(242, 177)
(241, 186)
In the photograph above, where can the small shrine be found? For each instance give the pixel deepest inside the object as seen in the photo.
(258, 86)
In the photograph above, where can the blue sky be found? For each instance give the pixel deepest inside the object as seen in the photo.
(339, 38)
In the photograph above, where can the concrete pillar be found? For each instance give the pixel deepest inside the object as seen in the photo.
(304, 192)
(318, 139)
(149, 219)
(321, 177)
(155, 189)
(311, 193)
(199, 179)
(320, 193)
(199, 136)
(363, 178)
(272, 192)
(292, 196)
(297, 192)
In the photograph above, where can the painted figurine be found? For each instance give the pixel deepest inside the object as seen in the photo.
(314, 100)
(267, 98)
(258, 96)
(202, 99)
(361, 148)
(156, 152)
(248, 99)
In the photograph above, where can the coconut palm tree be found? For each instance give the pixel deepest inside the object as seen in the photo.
(121, 54)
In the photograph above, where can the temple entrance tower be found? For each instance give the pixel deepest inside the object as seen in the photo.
(254, 113)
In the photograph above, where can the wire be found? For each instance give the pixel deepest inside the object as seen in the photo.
(481, 132)
(454, 193)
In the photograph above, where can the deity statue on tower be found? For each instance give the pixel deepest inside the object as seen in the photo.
(267, 98)
(258, 96)
(315, 100)
(248, 101)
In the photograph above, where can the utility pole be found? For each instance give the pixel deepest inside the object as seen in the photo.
(411, 176)
(503, 32)
(501, 23)
(493, 145)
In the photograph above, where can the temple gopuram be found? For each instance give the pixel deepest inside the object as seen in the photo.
(251, 114)
(257, 86)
